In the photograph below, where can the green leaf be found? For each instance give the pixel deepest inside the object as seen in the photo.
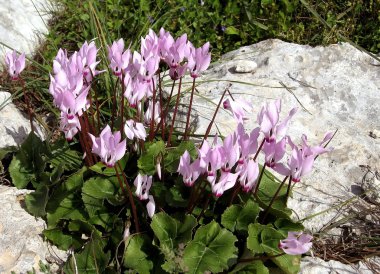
(289, 264)
(174, 154)
(136, 254)
(147, 161)
(102, 169)
(286, 225)
(62, 240)
(254, 238)
(65, 201)
(171, 232)
(237, 217)
(92, 259)
(95, 191)
(174, 196)
(253, 267)
(231, 30)
(61, 153)
(211, 250)
(31, 154)
(36, 201)
(20, 177)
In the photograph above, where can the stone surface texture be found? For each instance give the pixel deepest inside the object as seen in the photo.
(21, 244)
(14, 126)
(21, 23)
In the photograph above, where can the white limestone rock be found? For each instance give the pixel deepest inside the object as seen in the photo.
(21, 23)
(338, 88)
(21, 244)
(14, 126)
(310, 265)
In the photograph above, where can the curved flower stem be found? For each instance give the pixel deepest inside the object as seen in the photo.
(175, 112)
(216, 111)
(259, 180)
(204, 207)
(122, 105)
(114, 104)
(165, 112)
(129, 195)
(274, 197)
(196, 197)
(288, 190)
(161, 108)
(189, 111)
(259, 149)
(236, 191)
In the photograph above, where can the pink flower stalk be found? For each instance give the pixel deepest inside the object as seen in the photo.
(239, 109)
(274, 152)
(15, 64)
(119, 59)
(199, 59)
(143, 184)
(134, 129)
(268, 118)
(151, 206)
(249, 173)
(302, 158)
(297, 243)
(108, 146)
(189, 172)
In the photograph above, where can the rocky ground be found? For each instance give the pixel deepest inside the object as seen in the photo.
(335, 87)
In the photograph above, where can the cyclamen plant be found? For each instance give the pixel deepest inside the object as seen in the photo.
(191, 208)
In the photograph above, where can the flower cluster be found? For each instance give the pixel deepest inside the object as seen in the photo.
(70, 85)
(235, 159)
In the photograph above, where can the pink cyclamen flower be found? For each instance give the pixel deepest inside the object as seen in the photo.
(108, 146)
(249, 173)
(119, 59)
(226, 181)
(268, 118)
(199, 59)
(302, 158)
(15, 64)
(143, 184)
(274, 152)
(239, 108)
(297, 243)
(189, 172)
(133, 129)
